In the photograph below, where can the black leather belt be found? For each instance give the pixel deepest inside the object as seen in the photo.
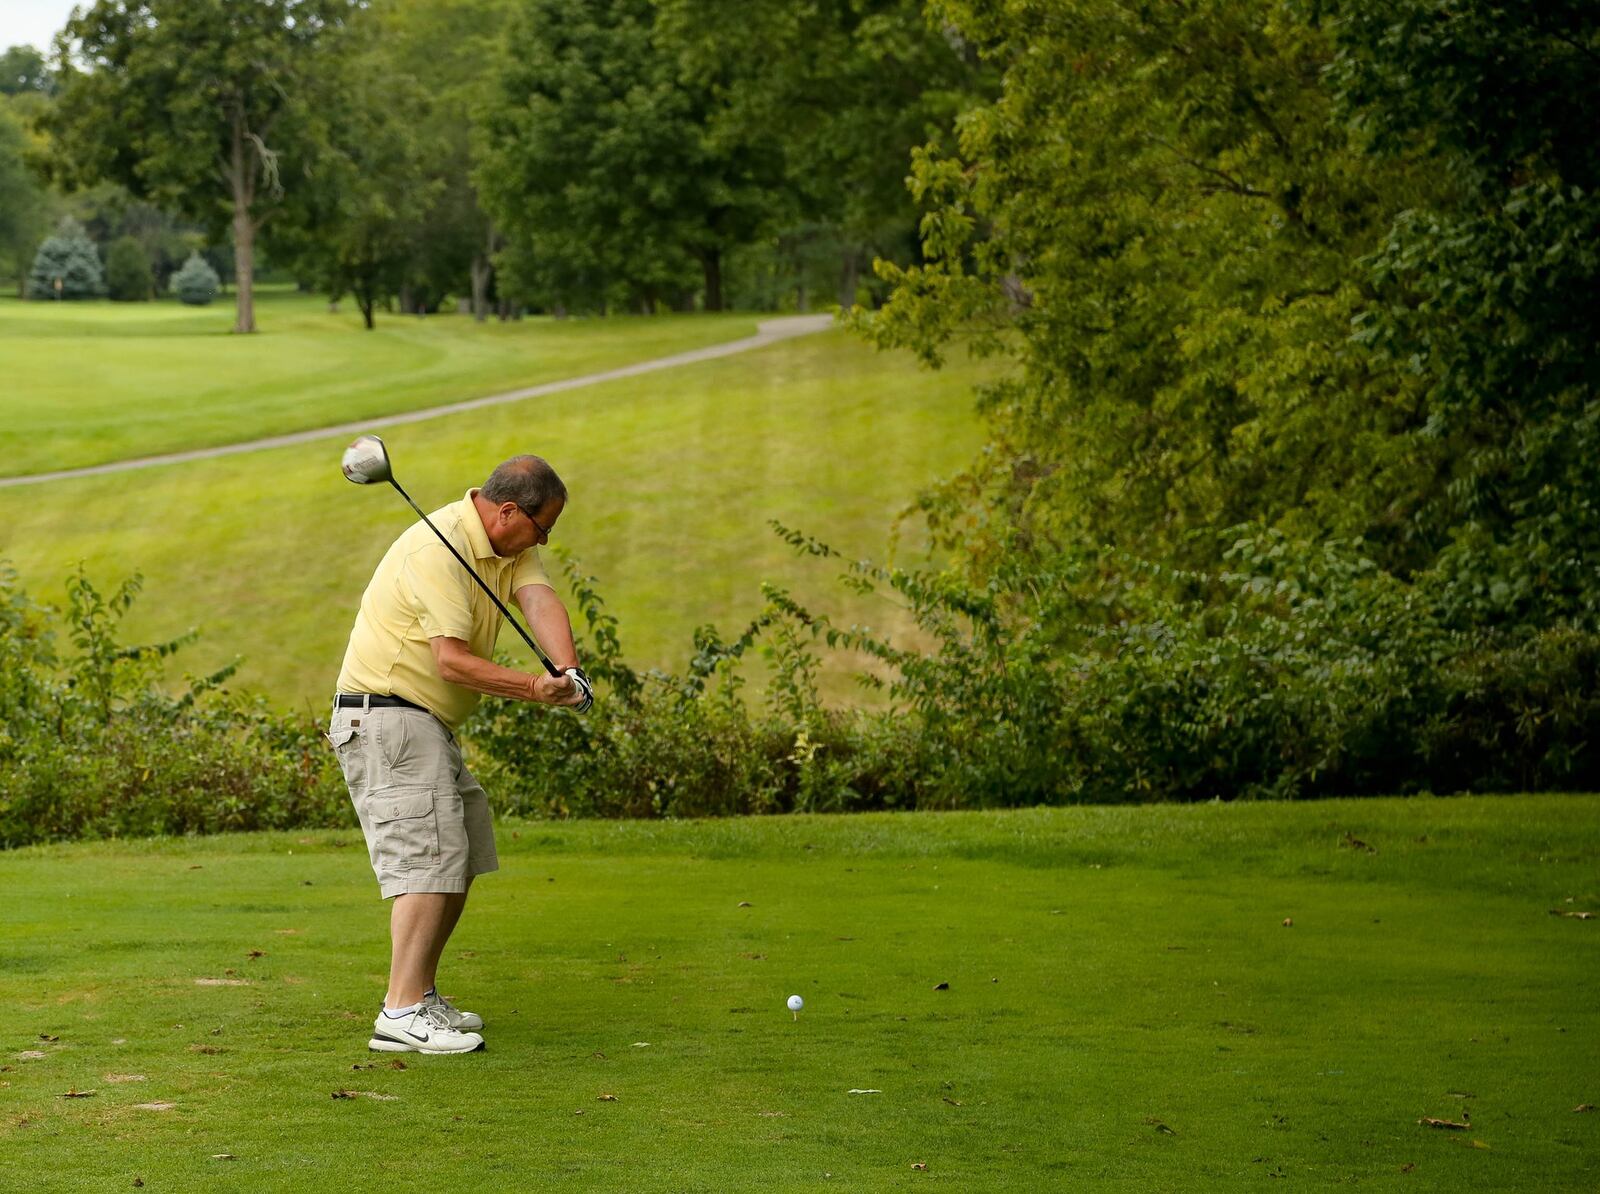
(355, 700)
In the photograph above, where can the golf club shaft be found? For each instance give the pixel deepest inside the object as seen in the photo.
(501, 605)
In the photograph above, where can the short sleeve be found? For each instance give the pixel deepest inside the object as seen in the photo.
(440, 591)
(529, 570)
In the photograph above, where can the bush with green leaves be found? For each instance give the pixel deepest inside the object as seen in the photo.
(92, 744)
(129, 278)
(67, 266)
(196, 283)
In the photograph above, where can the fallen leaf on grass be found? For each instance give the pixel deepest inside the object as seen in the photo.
(223, 1157)
(858, 1090)
(1288, 922)
(78, 1094)
(1474, 1144)
(222, 982)
(154, 1106)
(45, 1036)
(256, 953)
(138, 1181)
(1428, 1121)
(1572, 915)
(206, 1049)
(941, 986)
(113, 1079)
(1581, 1107)
(919, 1164)
(1351, 842)
(640, 1045)
(952, 1102)
(32, 1055)
(197, 867)
(746, 904)
(1159, 1126)
(287, 932)
(365, 1094)
(1408, 1167)
(773, 1114)
(605, 1098)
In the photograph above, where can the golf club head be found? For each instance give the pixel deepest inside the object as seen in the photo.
(366, 461)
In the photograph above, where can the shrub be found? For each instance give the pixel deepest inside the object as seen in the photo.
(128, 275)
(196, 283)
(91, 745)
(67, 266)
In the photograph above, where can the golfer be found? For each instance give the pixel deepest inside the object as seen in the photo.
(418, 662)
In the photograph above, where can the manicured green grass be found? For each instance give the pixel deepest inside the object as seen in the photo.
(1127, 1008)
(87, 383)
(673, 477)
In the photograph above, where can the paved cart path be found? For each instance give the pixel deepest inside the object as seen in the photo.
(768, 331)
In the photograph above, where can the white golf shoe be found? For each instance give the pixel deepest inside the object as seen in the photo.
(426, 1030)
(459, 1020)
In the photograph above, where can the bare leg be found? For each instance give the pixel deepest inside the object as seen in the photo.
(420, 923)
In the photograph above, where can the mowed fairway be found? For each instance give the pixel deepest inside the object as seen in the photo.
(1126, 1007)
(673, 477)
(94, 382)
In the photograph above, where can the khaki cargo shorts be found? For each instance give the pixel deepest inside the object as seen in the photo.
(425, 818)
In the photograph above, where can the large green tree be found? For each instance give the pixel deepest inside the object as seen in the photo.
(1157, 220)
(1485, 294)
(203, 105)
(24, 203)
(843, 90)
(601, 165)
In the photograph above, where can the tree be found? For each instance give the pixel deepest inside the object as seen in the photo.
(199, 104)
(23, 70)
(24, 204)
(599, 164)
(128, 275)
(1485, 294)
(196, 282)
(844, 90)
(1156, 221)
(67, 266)
(357, 228)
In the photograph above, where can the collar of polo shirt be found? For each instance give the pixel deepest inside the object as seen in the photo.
(482, 549)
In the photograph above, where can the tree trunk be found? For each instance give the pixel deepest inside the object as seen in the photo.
(242, 183)
(711, 259)
(849, 272)
(244, 269)
(364, 300)
(481, 270)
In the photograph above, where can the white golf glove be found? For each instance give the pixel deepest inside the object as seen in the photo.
(585, 686)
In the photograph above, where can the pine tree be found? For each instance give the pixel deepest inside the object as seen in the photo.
(67, 266)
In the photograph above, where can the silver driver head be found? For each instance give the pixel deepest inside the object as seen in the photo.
(366, 461)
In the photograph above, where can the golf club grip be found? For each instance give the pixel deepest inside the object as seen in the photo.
(501, 605)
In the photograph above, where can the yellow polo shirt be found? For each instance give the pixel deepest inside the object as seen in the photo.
(420, 591)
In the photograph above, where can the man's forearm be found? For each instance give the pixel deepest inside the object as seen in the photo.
(486, 676)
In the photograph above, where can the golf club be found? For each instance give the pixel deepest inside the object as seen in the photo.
(365, 462)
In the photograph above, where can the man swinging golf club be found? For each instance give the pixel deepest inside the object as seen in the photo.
(418, 662)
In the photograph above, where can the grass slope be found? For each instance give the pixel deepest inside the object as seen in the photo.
(92, 382)
(672, 476)
(1126, 1009)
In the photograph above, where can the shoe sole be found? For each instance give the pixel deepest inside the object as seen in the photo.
(382, 1044)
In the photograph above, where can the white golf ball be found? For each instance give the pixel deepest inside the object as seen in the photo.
(796, 1003)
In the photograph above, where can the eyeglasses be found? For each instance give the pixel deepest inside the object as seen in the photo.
(543, 530)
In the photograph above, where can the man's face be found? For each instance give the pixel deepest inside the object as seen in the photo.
(517, 529)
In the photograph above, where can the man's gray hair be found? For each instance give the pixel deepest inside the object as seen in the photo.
(529, 481)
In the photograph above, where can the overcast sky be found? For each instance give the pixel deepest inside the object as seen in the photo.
(33, 22)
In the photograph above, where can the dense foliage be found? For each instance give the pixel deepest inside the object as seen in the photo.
(129, 278)
(67, 266)
(92, 746)
(196, 282)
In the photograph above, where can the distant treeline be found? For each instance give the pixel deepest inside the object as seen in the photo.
(563, 155)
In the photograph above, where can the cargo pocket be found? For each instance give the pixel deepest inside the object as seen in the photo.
(406, 826)
(337, 738)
